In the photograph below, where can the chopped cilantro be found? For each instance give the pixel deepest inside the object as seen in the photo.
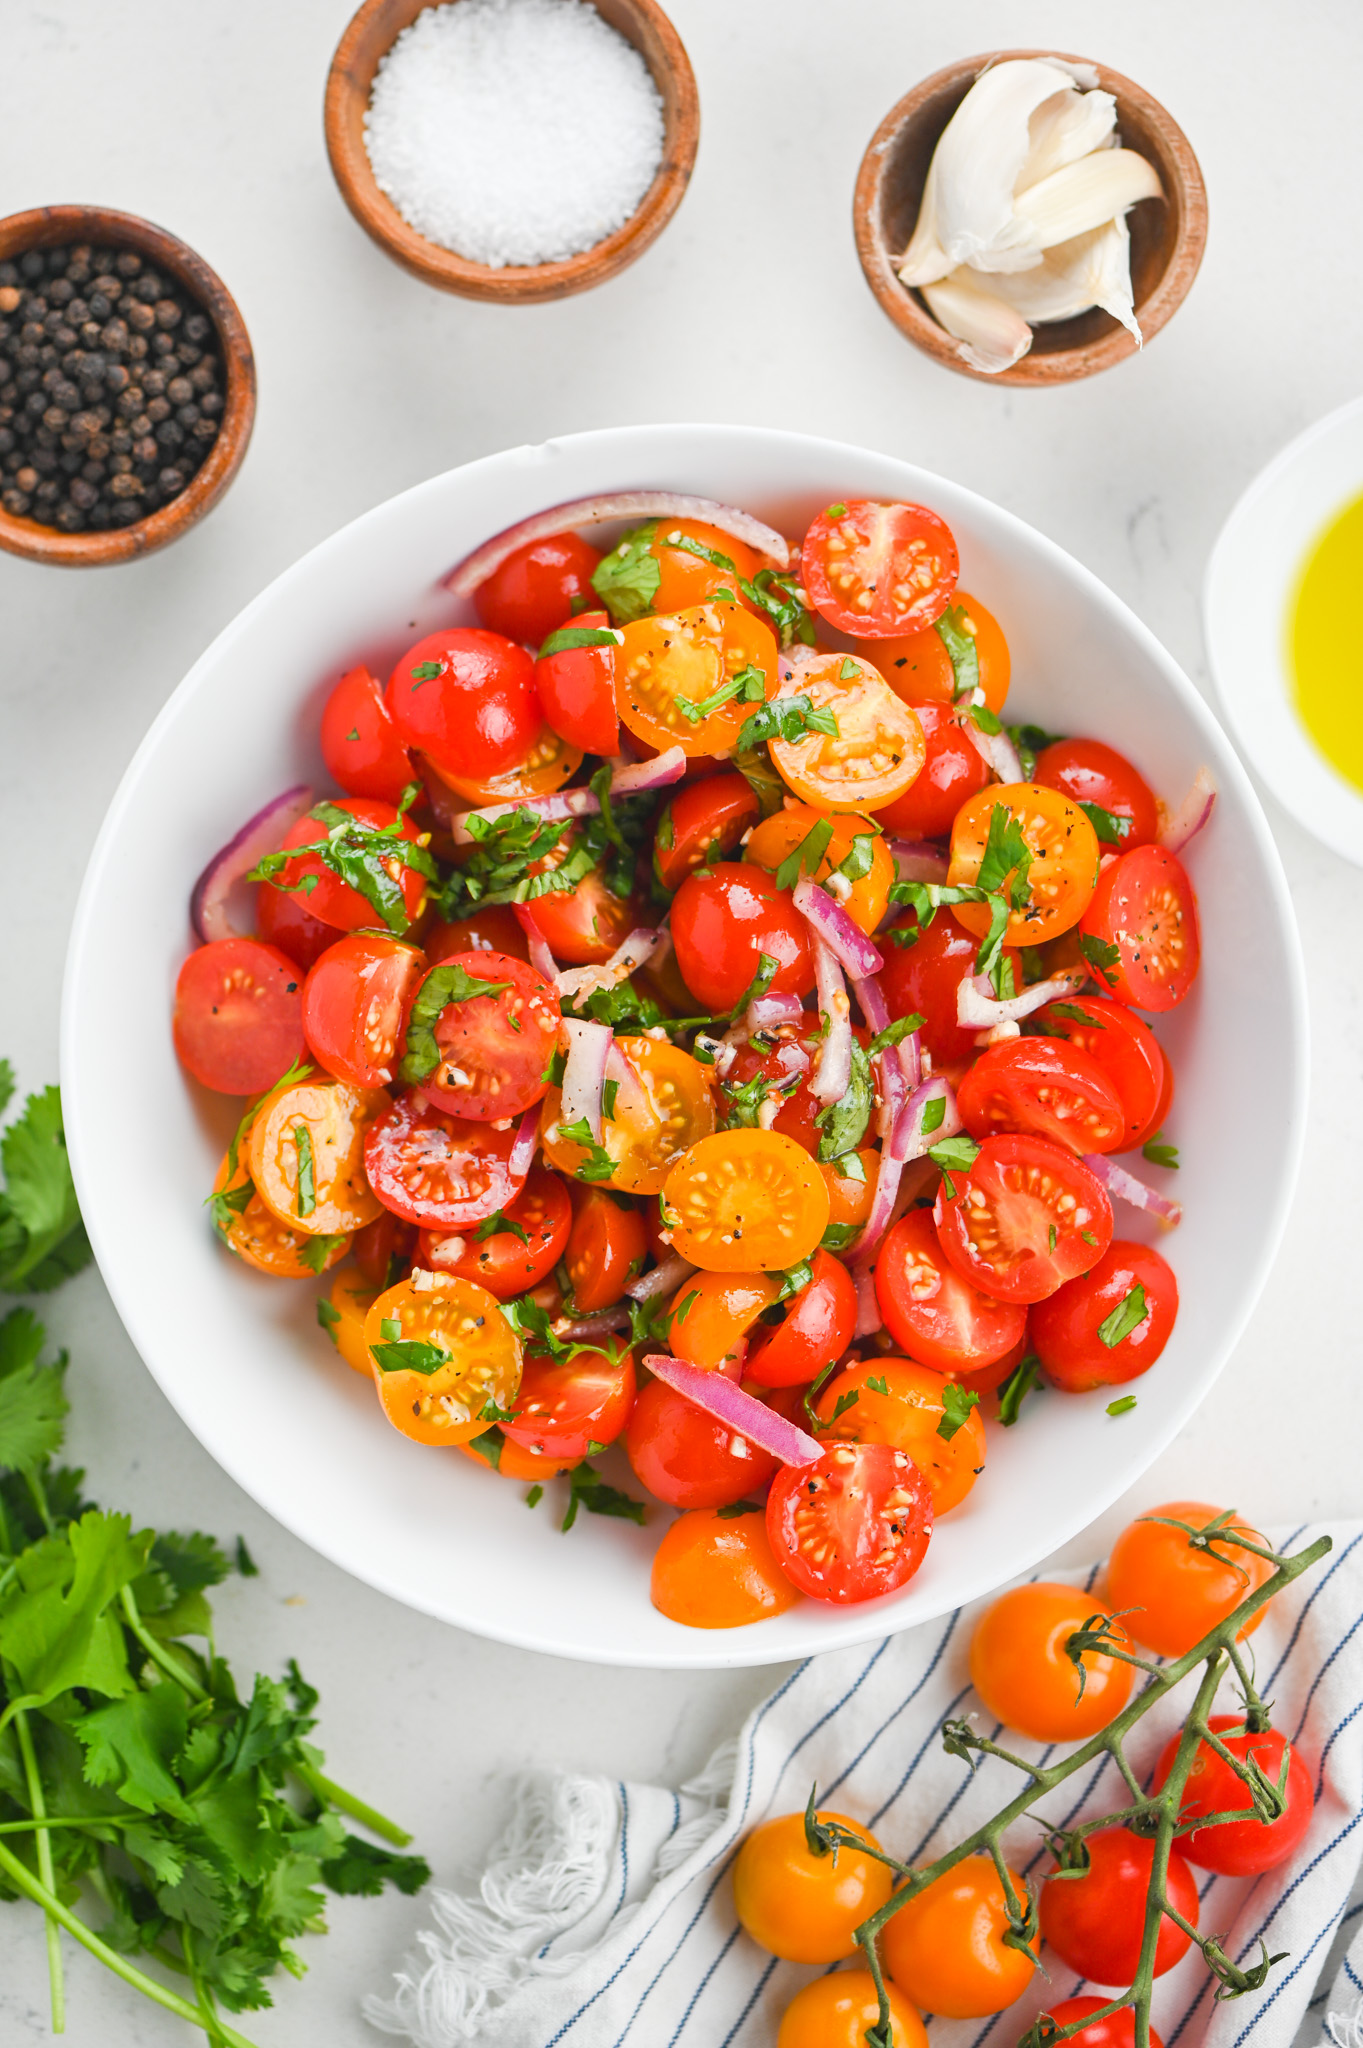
(1129, 1313)
(806, 856)
(598, 1165)
(794, 1279)
(685, 1305)
(749, 686)
(1019, 1383)
(1122, 1406)
(767, 967)
(626, 580)
(734, 1508)
(838, 1236)
(1111, 829)
(842, 1125)
(568, 637)
(1030, 740)
(849, 669)
(354, 733)
(315, 1252)
(1077, 1015)
(857, 862)
(956, 631)
(424, 672)
(784, 603)
(231, 1202)
(1159, 1154)
(835, 512)
(1006, 855)
(878, 1384)
(328, 1317)
(609, 1091)
(1101, 956)
(957, 1155)
(360, 855)
(1089, 1238)
(535, 1496)
(448, 983)
(307, 1181)
(754, 765)
(957, 1403)
(987, 720)
(408, 1354)
(700, 551)
(786, 718)
(849, 1167)
(490, 1412)
(587, 1490)
(934, 1112)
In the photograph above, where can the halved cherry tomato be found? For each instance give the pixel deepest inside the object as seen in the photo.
(795, 1118)
(1143, 918)
(686, 1458)
(685, 578)
(851, 1184)
(953, 770)
(1125, 1048)
(722, 923)
(1046, 1087)
(1095, 1921)
(1062, 869)
(852, 1526)
(717, 1571)
(282, 921)
(818, 1326)
(745, 1201)
(572, 1407)
(839, 2011)
(576, 685)
(534, 589)
(582, 925)
(1117, 2030)
(919, 669)
(517, 1253)
(1067, 1327)
(350, 1301)
(878, 749)
(605, 1248)
(256, 1234)
(924, 977)
(360, 742)
(238, 1021)
(326, 895)
(466, 698)
(945, 1949)
(430, 1399)
(701, 825)
(895, 1401)
(1153, 1128)
(803, 1907)
(1092, 773)
(495, 929)
(712, 1314)
(786, 831)
(1171, 1593)
(1239, 1848)
(670, 667)
(480, 1033)
(1019, 1668)
(1026, 1218)
(442, 1172)
(877, 570)
(306, 1155)
(662, 1111)
(544, 765)
(932, 1311)
(383, 1250)
(353, 1000)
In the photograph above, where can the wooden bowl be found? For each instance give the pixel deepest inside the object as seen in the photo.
(45, 227)
(1167, 237)
(372, 33)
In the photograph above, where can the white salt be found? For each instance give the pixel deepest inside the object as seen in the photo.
(514, 131)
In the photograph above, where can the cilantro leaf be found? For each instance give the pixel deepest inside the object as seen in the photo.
(767, 966)
(1130, 1312)
(676, 539)
(1031, 740)
(795, 1279)
(785, 718)
(568, 637)
(586, 1489)
(838, 1236)
(132, 1745)
(850, 1167)
(956, 631)
(806, 856)
(496, 1223)
(409, 1354)
(307, 1179)
(42, 1239)
(425, 672)
(842, 1124)
(6, 1084)
(505, 848)
(957, 1155)
(361, 1869)
(857, 862)
(784, 603)
(598, 1165)
(1101, 956)
(1006, 859)
(735, 1508)
(878, 1384)
(1111, 828)
(315, 1252)
(55, 1625)
(626, 580)
(1159, 1154)
(957, 1403)
(328, 1317)
(1025, 1375)
(749, 686)
(895, 1032)
(1122, 1406)
(360, 855)
(448, 983)
(33, 1405)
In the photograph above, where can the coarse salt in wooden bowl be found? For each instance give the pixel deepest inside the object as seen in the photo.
(1167, 236)
(48, 227)
(371, 34)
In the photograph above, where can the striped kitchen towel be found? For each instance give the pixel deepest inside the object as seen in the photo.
(606, 1917)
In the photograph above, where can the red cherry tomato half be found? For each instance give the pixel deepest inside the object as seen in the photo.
(533, 591)
(1144, 918)
(576, 687)
(879, 570)
(1125, 1048)
(383, 1251)
(282, 921)
(1161, 1110)
(574, 1407)
(605, 1249)
(686, 1458)
(467, 699)
(1026, 1218)
(439, 1171)
(583, 926)
(1094, 1922)
(360, 742)
(1240, 1848)
(703, 823)
(1067, 1327)
(353, 1002)
(724, 920)
(495, 929)
(482, 1055)
(1092, 773)
(938, 1317)
(1118, 2030)
(1046, 1087)
(818, 1328)
(519, 1252)
(329, 897)
(953, 771)
(925, 977)
(853, 1525)
(238, 1021)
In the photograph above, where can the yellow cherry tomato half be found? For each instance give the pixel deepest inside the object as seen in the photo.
(306, 1155)
(919, 668)
(745, 1201)
(712, 1313)
(343, 1317)
(945, 1949)
(879, 748)
(668, 1107)
(671, 668)
(548, 763)
(1062, 871)
(779, 837)
(718, 1570)
(851, 1184)
(903, 1404)
(803, 1907)
(441, 1352)
(1020, 1670)
(840, 2011)
(253, 1231)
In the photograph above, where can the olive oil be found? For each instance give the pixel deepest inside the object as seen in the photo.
(1325, 644)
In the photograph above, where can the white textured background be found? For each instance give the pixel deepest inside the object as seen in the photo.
(207, 118)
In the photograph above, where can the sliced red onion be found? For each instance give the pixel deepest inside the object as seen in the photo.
(907, 1056)
(584, 1073)
(869, 1318)
(1191, 815)
(263, 834)
(996, 750)
(521, 1157)
(978, 1008)
(791, 1059)
(635, 952)
(830, 922)
(768, 1013)
(918, 860)
(751, 1418)
(631, 1100)
(536, 945)
(871, 997)
(475, 569)
(1127, 1188)
(910, 1140)
(583, 1329)
(664, 1279)
(633, 778)
(835, 1059)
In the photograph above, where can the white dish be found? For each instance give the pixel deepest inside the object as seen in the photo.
(241, 1357)
(1251, 580)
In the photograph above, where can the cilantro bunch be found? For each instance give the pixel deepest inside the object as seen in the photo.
(42, 1239)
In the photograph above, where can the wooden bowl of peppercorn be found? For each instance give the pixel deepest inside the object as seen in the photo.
(127, 386)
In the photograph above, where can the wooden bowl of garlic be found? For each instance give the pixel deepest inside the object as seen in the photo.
(1029, 217)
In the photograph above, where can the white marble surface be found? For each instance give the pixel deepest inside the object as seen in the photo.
(751, 307)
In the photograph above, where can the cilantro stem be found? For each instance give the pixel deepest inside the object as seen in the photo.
(55, 1974)
(159, 1655)
(332, 1794)
(21, 1876)
(69, 1820)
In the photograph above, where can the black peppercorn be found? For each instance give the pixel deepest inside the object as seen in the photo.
(127, 263)
(158, 409)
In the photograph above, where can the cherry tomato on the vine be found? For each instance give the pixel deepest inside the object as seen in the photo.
(1019, 1667)
(1176, 1591)
(840, 2011)
(1117, 2030)
(1095, 1921)
(533, 590)
(805, 1907)
(946, 1949)
(1099, 1330)
(879, 570)
(713, 1570)
(360, 743)
(1240, 1848)
(1027, 1217)
(852, 1526)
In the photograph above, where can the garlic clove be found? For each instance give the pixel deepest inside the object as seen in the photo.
(1093, 269)
(925, 260)
(1084, 195)
(992, 335)
(1065, 128)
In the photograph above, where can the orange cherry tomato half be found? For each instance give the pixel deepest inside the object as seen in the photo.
(466, 698)
(840, 2011)
(919, 669)
(343, 1316)
(1092, 773)
(664, 1109)
(803, 1907)
(360, 742)
(745, 1201)
(442, 1352)
(511, 1252)
(438, 1171)
(785, 832)
(1125, 1048)
(893, 1401)
(953, 770)
(533, 590)
(1026, 1218)
(1095, 1921)
(575, 678)
(713, 1570)
(1047, 1088)
(945, 1949)
(877, 751)
(932, 1310)
(671, 668)
(480, 1033)
(1175, 1593)
(1142, 927)
(378, 826)
(712, 1314)
(256, 1234)
(852, 1526)
(605, 1249)
(878, 570)
(1073, 1332)
(353, 1004)
(573, 1407)
(513, 1461)
(687, 578)
(723, 921)
(1019, 1668)
(701, 825)
(817, 1328)
(238, 1021)
(1061, 872)
(306, 1155)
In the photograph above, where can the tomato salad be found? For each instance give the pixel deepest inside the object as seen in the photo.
(699, 1023)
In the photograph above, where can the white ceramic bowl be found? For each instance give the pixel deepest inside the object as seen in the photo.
(1251, 581)
(241, 1357)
